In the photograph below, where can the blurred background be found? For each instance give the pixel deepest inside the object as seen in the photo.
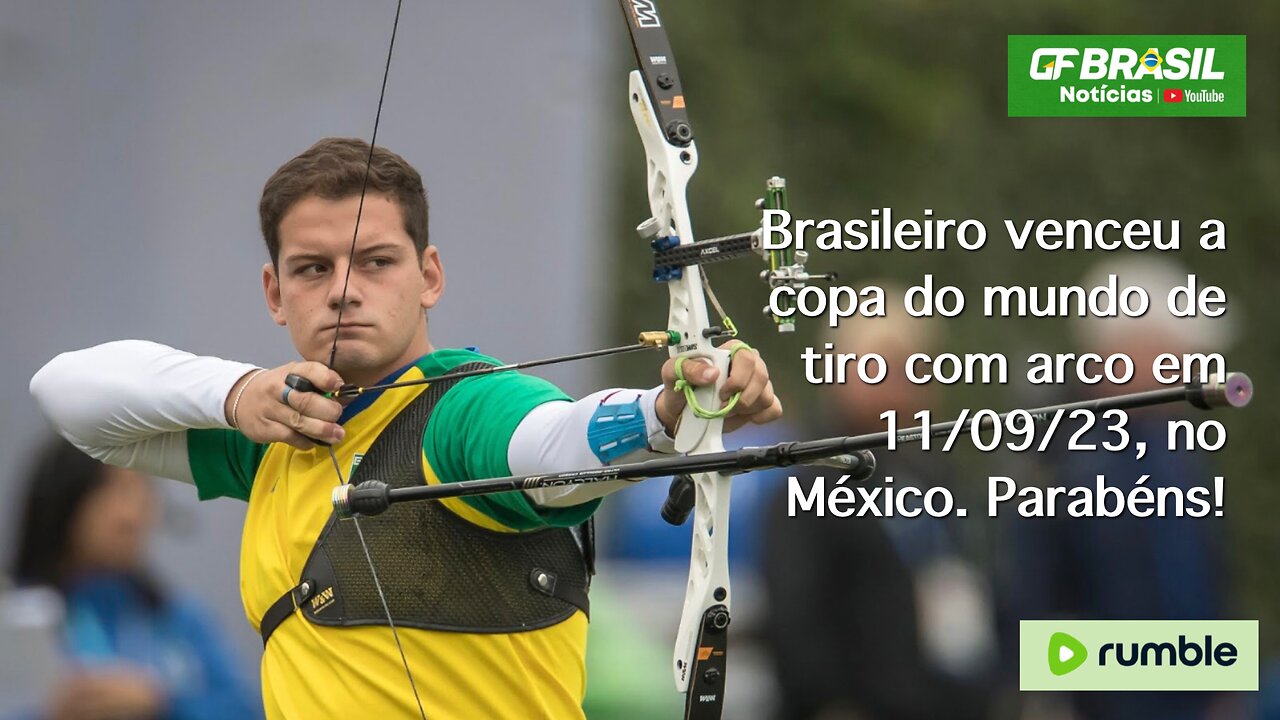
(135, 138)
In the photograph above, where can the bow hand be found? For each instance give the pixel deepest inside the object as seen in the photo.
(748, 382)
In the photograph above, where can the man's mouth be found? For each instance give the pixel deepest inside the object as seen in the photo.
(346, 326)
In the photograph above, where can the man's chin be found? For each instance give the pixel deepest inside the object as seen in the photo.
(359, 367)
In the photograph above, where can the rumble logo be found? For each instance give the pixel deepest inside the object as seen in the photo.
(1065, 653)
(1057, 655)
(1126, 75)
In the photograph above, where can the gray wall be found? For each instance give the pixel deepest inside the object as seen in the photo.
(135, 138)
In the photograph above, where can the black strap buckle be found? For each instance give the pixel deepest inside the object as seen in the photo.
(284, 607)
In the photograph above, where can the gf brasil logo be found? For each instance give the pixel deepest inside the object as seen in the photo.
(1126, 75)
(1122, 63)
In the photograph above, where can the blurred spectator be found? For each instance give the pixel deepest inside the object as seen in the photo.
(132, 649)
(878, 618)
(1125, 567)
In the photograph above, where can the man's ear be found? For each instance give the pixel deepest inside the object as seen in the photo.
(271, 289)
(432, 277)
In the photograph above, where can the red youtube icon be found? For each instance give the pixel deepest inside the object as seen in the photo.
(1173, 95)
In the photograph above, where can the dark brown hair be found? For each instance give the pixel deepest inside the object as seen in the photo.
(333, 169)
(58, 485)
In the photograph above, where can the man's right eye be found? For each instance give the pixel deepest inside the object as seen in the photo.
(312, 269)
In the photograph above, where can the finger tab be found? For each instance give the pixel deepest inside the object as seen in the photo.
(297, 382)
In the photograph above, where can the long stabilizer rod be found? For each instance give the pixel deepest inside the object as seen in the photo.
(849, 454)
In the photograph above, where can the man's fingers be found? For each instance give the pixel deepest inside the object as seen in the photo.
(307, 417)
(697, 372)
(747, 398)
(314, 405)
(322, 376)
(772, 412)
(298, 440)
(277, 428)
(745, 368)
(763, 416)
(704, 373)
(282, 433)
(268, 410)
(301, 419)
(749, 377)
(757, 395)
(294, 421)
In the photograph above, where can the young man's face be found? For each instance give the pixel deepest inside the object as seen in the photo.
(390, 286)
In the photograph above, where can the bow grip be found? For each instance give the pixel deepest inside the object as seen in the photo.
(692, 431)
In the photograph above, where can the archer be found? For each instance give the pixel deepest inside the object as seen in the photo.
(477, 593)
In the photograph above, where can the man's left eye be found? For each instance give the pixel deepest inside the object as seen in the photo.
(380, 262)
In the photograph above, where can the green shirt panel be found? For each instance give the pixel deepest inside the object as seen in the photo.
(470, 431)
(223, 463)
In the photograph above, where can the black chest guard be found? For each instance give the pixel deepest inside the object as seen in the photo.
(438, 571)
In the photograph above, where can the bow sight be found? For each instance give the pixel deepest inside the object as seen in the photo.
(786, 266)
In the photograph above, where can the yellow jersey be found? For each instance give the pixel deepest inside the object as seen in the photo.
(313, 671)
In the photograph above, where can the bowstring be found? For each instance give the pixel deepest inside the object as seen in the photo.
(364, 185)
(333, 354)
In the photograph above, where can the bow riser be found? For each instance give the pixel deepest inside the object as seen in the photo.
(698, 658)
(669, 168)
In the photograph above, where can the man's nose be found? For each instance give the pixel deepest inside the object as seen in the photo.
(344, 287)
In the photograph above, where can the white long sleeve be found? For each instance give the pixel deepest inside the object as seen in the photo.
(553, 438)
(130, 402)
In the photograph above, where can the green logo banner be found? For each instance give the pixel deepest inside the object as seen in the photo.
(1127, 76)
(1138, 655)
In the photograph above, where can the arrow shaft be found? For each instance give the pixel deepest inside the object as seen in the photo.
(353, 390)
